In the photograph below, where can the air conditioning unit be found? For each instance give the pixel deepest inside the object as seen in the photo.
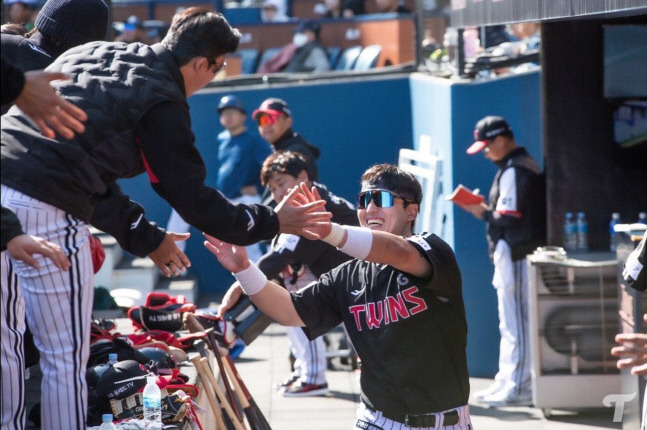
(573, 320)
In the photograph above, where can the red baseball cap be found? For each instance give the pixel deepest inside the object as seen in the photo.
(272, 106)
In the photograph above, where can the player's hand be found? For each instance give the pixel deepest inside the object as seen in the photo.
(305, 196)
(24, 246)
(230, 299)
(232, 257)
(476, 210)
(633, 349)
(168, 257)
(53, 114)
(298, 215)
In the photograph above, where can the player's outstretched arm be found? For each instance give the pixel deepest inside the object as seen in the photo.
(366, 244)
(271, 298)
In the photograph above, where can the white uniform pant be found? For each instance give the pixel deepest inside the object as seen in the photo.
(374, 420)
(511, 284)
(310, 356)
(177, 225)
(58, 308)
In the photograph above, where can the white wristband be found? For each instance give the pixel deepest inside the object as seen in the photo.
(336, 234)
(358, 242)
(252, 280)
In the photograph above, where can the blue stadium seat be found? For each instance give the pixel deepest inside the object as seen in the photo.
(267, 54)
(248, 60)
(367, 59)
(348, 58)
(333, 55)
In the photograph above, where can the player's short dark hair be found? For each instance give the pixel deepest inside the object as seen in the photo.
(289, 162)
(390, 177)
(197, 32)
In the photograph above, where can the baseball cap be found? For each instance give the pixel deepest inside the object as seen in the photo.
(231, 101)
(487, 129)
(272, 106)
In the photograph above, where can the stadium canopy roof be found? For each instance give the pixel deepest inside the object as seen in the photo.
(468, 13)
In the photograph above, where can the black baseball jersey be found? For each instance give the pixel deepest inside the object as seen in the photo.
(409, 332)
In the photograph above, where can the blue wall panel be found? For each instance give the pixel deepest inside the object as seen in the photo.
(447, 112)
(354, 123)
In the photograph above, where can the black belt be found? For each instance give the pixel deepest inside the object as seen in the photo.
(420, 420)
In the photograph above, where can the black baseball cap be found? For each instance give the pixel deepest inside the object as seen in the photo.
(231, 101)
(272, 106)
(486, 130)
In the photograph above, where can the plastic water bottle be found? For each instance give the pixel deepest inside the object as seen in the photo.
(582, 232)
(152, 404)
(613, 236)
(570, 237)
(106, 422)
(642, 218)
(112, 359)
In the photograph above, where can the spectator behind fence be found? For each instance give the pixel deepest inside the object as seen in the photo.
(273, 11)
(23, 12)
(343, 8)
(310, 55)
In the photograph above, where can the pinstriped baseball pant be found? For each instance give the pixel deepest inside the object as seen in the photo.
(374, 420)
(58, 307)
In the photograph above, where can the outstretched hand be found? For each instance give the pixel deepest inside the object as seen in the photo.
(230, 298)
(633, 351)
(53, 114)
(306, 196)
(168, 257)
(303, 215)
(232, 257)
(24, 246)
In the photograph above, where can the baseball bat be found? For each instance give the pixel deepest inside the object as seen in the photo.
(221, 395)
(260, 421)
(220, 424)
(223, 374)
(255, 418)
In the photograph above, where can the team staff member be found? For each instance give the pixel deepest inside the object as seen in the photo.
(400, 301)
(138, 120)
(295, 262)
(515, 219)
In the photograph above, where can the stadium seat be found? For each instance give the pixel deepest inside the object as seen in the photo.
(367, 59)
(267, 54)
(248, 60)
(348, 58)
(333, 55)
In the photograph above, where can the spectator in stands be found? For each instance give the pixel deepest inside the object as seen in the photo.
(343, 8)
(310, 55)
(391, 6)
(273, 11)
(275, 125)
(134, 31)
(23, 12)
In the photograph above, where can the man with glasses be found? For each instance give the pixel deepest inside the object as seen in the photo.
(138, 120)
(515, 219)
(400, 300)
(275, 125)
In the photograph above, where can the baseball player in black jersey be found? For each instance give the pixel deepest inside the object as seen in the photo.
(295, 262)
(400, 300)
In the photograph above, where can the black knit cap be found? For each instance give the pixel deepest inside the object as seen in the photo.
(73, 22)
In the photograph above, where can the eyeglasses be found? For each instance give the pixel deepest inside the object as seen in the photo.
(266, 119)
(211, 63)
(381, 198)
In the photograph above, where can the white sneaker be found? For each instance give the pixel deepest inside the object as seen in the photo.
(502, 399)
(493, 388)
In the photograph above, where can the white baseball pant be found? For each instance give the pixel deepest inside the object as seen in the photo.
(58, 308)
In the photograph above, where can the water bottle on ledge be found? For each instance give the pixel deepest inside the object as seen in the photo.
(570, 237)
(642, 218)
(106, 422)
(152, 404)
(613, 236)
(582, 228)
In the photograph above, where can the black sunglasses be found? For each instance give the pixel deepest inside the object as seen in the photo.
(381, 198)
(211, 62)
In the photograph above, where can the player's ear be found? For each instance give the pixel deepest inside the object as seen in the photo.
(412, 211)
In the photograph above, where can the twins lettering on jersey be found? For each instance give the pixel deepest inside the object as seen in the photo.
(393, 308)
